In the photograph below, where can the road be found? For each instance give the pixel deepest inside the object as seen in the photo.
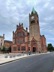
(37, 63)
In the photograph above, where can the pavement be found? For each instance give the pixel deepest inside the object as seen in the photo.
(5, 58)
(35, 63)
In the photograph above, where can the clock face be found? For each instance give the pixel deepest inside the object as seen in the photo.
(32, 17)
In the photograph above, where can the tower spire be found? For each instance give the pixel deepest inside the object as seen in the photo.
(33, 10)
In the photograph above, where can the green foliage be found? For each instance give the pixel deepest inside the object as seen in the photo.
(5, 50)
(50, 47)
(0, 49)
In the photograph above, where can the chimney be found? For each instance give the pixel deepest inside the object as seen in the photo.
(3, 35)
(17, 26)
(22, 24)
(26, 29)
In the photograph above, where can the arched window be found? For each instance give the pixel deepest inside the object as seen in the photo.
(14, 48)
(23, 48)
(20, 34)
(18, 48)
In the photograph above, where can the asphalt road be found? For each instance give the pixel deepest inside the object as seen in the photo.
(40, 63)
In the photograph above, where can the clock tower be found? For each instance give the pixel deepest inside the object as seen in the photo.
(34, 30)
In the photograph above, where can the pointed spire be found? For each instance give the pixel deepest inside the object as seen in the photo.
(33, 10)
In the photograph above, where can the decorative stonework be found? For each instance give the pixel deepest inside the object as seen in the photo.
(24, 41)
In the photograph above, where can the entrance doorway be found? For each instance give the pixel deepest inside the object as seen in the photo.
(34, 49)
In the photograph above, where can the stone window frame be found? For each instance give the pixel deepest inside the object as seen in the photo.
(18, 48)
(23, 48)
(14, 48)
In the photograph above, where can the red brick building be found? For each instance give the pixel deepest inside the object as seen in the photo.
(43, 43)
(24, 41)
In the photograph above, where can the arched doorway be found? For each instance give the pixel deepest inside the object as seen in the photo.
(33, 45)
(34, 49)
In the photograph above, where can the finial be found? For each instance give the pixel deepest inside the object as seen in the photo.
(26, 29)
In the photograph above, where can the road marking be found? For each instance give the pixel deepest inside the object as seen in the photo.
(9, 62)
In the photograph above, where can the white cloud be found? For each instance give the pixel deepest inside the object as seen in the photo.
(8, 36)
(14, 11)
(46, 5)
(33, 2)
(51, 31)
(49, 18)
(43, 23)
(52, 8)
(51, 38)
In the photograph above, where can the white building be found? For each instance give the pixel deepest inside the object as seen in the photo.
(1, 41)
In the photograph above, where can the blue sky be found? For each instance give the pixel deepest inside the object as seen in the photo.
(14, 11)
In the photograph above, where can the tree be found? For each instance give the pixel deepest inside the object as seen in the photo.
(0, 49)
(50, 47)
(3, 49)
